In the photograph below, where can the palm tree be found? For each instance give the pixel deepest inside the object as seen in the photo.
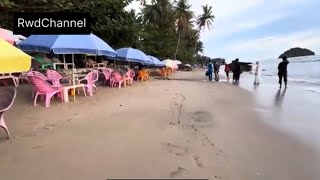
(183, 16)
(204, 20)
(199, 47)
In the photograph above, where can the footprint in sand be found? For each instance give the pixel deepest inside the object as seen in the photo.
(207, 141)
(175, 149)
(177, 172)
(197, 161)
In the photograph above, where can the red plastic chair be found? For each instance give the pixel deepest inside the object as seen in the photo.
(7, 97)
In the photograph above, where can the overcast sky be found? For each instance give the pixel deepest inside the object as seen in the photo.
(259, 29)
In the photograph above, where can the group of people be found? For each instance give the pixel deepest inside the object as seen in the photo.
(235, 67)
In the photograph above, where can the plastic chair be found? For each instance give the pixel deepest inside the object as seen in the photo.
(107, 75)
(91, 79)
(43, 88)
(117, 78)
(55, 77)
(7, 97)
(130, 75)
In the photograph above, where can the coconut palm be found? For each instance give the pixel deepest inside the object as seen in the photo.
(183, 16)
(205, 20)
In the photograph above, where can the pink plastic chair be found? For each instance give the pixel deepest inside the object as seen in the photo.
(130, 75)
(7, 97)
(43, 88)
(117, 78)
(55, 77)
(91, 79)
(107, 75)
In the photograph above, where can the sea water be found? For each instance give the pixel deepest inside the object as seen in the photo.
(303, 71)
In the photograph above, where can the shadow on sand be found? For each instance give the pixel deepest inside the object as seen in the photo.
(278, 100)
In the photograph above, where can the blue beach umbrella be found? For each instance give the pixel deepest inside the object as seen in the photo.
(67, 44)
(133, 55)
(156, 61)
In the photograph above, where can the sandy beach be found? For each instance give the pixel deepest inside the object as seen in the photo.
(180, 128)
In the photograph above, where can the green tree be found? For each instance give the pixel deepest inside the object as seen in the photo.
(183, 16)
(204, 20)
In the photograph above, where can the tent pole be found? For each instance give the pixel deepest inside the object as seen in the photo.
(64, 62)
(73, 79)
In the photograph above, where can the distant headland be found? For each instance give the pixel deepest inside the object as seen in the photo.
(296, 52)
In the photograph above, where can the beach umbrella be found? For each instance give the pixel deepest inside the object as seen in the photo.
(177, 62)
(67, 44)
(156, 61)
(10, 37)
(169, 63)
(13, 59)
(133, 55)
(188, 65)
(5, 35)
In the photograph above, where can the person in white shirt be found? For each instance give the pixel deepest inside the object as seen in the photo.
(257, 73)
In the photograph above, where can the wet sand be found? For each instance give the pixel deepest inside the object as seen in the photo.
(179, 128)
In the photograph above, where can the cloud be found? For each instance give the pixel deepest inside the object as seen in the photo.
(273, 46)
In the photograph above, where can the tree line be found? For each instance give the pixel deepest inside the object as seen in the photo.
(164, 28)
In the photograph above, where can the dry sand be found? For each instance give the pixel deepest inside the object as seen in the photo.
(180, 128)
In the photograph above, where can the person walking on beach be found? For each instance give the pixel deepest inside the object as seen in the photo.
(227, 70)
(216, 68)
(209, 70)
(282, 71)
(236, 70)
(257, 73)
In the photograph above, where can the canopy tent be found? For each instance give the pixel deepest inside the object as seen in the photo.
(133, 55)
(13, 59)
(156, 61)
(67, 44)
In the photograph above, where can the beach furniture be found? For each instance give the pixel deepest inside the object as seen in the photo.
(141, 75)
(66, 88)
(90, 81)
(56, 77)
(107, 75)
(7, 97)
(44, 65)
(116, 77)
(9, 77)
(129, 76)
(43, 88)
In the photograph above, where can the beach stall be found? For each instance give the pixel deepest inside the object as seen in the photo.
(12, 60)
(70, 44)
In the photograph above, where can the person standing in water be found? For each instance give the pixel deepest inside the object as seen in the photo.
(237, 70)
(216, 67)
(209, 70)
(257, 73)
(227, 70)
(282, 71)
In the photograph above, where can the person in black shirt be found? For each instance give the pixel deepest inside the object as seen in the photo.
(237, 70)
(282, 71)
